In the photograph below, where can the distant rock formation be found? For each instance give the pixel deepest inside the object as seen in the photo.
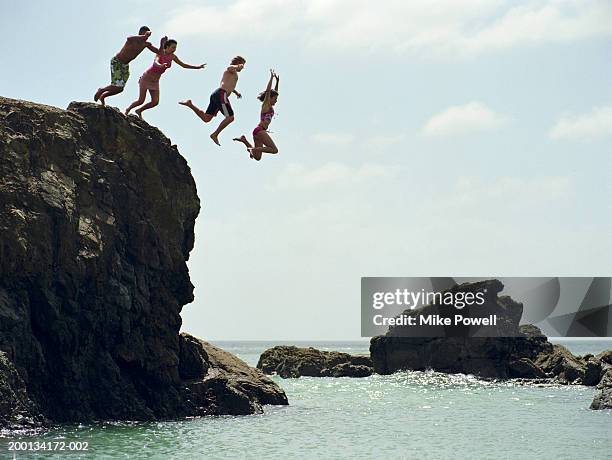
(97, 215)
(293, 362)
(529, 355)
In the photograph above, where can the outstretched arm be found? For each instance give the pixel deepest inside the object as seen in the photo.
(187, 66)
(277, 80)
(266, 102)
(144, 36)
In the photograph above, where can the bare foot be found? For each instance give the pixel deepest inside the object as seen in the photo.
(97, 95)
(139, 113)
(242, 139)
(127, 112)
(214, 136)
(188, 103)
(102, 101)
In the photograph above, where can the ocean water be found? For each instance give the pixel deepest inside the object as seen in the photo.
(405, 415)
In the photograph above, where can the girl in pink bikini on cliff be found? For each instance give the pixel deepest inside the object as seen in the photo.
(261, 138)
(150, 79)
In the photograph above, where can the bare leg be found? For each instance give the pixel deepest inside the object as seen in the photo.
(150, 105)
(107, 91)
(205, 117)
(215, 136)
(263, 144)
(244, 140)
(257, 154)
(141, 98)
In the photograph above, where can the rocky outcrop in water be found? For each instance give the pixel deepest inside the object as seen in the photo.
(528, 355)
(219, 383)
(603, 397)
(97, 215)
(293, 362)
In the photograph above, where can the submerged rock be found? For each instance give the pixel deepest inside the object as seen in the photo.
(97, 215)
(293, 362)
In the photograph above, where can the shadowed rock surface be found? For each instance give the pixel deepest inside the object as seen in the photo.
(16, 408)
(603, 397)
(224, 384)
(97, 215)
(292, 362)
(529, 355)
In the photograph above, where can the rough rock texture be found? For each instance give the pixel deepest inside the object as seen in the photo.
(97, 216)
(16, 408)
(292, 362)
(224, 385)
(603, 398)
(529, 355)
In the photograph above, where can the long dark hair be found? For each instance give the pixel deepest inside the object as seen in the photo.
(262, 95)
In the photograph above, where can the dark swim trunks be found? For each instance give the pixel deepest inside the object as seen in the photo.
(219, 102)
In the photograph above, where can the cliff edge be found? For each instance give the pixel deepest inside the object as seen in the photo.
(97, 215)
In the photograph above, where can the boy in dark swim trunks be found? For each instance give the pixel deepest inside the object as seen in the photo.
(219, 100)
(120, 63)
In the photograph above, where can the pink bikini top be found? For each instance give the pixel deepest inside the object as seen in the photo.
(266, 117)
(163, 59)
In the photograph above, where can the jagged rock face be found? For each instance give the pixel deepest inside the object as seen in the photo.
(97, 215)
(16, 408)
(603, 398)
(96, 226)
(293, 362)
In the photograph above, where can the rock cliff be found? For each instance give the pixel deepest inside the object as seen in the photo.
(97, 215)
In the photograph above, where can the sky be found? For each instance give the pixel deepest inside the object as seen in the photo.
(421, 138)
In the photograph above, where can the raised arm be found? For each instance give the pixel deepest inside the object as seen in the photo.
(277, 80)
(187, 66)
(162, 42)
(235, 67)
(266, 102)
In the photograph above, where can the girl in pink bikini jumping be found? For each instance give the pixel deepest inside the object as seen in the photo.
(150, 79)
(261, 138)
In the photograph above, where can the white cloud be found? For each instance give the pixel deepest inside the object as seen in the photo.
(333, 139)
(588, 126)
(427, 27)
(471, 117)
(265, 19)
(330, 174)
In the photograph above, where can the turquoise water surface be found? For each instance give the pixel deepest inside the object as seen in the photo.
(405, 415)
